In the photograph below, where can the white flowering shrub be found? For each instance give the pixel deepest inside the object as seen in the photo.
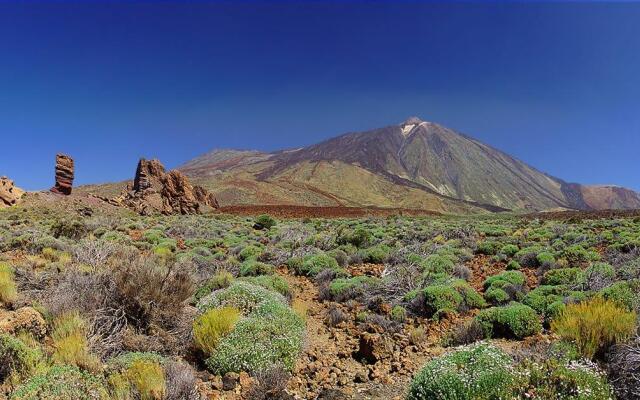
(269, 333)
(479, 371)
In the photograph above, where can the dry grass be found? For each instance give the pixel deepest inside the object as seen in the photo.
(70, 343)
(8, 292)
(595, 325)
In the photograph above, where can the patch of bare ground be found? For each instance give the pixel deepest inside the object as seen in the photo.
(348, 360)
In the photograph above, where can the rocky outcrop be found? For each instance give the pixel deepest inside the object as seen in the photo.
(64, 174)
(156, 191)
(25, 319)
(10, 195)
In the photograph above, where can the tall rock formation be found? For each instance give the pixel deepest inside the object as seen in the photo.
(64, 174)
(10, 195)
(156, 191)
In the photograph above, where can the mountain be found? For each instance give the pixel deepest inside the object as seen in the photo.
(415, 164)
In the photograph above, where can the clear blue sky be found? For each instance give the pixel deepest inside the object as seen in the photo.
(556, 85)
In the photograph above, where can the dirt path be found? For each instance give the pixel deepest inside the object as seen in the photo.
(331, 366)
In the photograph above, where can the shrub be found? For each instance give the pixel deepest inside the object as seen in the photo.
(8, 291)
(545, 258)
(336, 316)
(624, 369)
(376, 254)
(514, 320)
(181, 382)
(62, 382)
(242, 295)
(342, 289)
(211, 326)
(264, 221)
(70, 342)
(475, 372)
(253, 268)
(272, 334)
(562, 276)
(513, 265)
(594, 325)
(313, 265)
(504, 287)
(17, 359)
(598, 276)
(272, 282)
(250, 252)
(220, 280)
(69, 229)
(467, 333)
(509, 250)
(437, 264)
(625, 293)
(147, 379)
(553, 379)
(398, 313)
(487, 247)
(452, 297)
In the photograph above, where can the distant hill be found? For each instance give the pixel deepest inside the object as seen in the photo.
(415, 164)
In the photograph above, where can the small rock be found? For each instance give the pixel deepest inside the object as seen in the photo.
(230, 381)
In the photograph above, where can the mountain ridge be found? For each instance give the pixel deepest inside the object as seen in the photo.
(415, 154)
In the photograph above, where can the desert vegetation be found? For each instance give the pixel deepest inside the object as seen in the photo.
(111, 305)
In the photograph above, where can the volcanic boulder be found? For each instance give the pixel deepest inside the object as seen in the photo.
(64, 175)
(10, 195)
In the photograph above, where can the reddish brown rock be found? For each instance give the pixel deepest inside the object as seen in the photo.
(10, 195)
(156, 191)
(64, 175)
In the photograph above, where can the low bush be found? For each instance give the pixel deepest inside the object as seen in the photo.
(17, 359)
(437, 264)
(220, 280)
(597, 276)
(313, 265)
(505, 287)
(146, 379)
(376, 254)
(509, 250)
(554, 379)
(342, 289)
(475, 372)
(594, 325)
(254, 268)
(625, 293)
(250, 252)
(272, 282)
(514, 320)
(211, 326)
(488, 247)
(562, 276)
(454, 296)
(264, 221)
(62, 382)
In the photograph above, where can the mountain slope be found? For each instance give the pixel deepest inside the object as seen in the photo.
(414, 164)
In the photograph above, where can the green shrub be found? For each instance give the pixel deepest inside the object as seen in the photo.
(250, 252)
(398, 313)
(70, 342)
(220, 280)
(272, 282)
(488, 247)
(562, 276)
(455, 296)
(376, 254)
(211, 326)
(509, 250)
(342, 289)
(271, 334)
(8, 290)
(545, 258)
(62, 382)
(70, 229)
(594, 325)
(475, 372)
(253, 268)
(625, 293)
(147, 379)
(124, 361)
(242, 295)
(513, 265)
(437, 264)
(514, 320)
(315, 264)
(153, 236)
(577, 254)
(17, 359)
(265, 221)
(504, 287)
(555, 379)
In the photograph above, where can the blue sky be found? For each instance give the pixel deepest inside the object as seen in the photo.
(555, 85)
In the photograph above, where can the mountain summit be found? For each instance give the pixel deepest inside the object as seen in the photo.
(415, 164)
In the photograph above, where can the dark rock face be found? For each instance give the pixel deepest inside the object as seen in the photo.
(64, 175)
(156, 191)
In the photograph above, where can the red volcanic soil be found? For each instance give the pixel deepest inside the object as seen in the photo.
(583, 215)
(289, 211)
